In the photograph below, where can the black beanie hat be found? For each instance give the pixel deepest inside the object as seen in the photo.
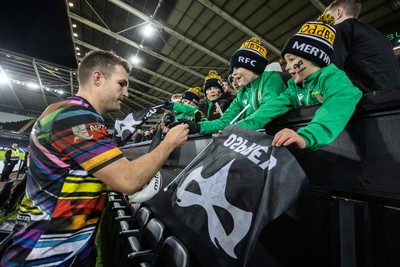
(230, 77)
(192, 94)
(212, 79)
(314, 41)
(252, 55)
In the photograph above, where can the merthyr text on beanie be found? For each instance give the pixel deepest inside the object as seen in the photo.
(314, 41)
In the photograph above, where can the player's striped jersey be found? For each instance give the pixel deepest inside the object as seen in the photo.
(60, 212)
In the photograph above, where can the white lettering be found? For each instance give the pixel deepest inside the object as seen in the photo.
(249, 149)
(230, 140)
(269, 163)
(239, 140)
(241, 59)
(247, 60)
(325, 58)
(257, 153)
(97, 127)
(150, 113)
(253, 151)
(392, 36)
(23, 218)
(297, 46)
(312, 51)
(307, 49)
(241, 147)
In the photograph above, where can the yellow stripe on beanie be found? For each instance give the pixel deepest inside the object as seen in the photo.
(255, 44)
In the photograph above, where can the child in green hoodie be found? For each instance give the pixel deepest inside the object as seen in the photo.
(314, 81)
(247, 109)
(187, 107)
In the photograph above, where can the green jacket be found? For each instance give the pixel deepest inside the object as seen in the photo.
(183, 111)
(255, 94)
(328, 86)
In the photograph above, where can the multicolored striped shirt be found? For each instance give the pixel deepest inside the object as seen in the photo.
(59, 215)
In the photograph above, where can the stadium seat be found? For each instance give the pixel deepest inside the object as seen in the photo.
(129, 211)
(140, 249)
(115, 205)
(127, 226)
(172, 254)
(133, 225)
(112, 197)
(16, 196)
(133, 208)
(6, 232)
(5, 194)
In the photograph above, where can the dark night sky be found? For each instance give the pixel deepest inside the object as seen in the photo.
(38, 29)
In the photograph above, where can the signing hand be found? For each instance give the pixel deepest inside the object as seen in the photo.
(177, 135)
(193, 126)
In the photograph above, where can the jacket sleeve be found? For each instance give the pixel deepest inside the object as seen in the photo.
(272, 87)
(185, 109)
(340, 100)
(209, 127)
(278, 105)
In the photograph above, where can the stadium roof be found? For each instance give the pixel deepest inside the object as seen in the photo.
(42, 42)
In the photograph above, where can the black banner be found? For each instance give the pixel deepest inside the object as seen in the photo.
(235, 187)
(124, 129)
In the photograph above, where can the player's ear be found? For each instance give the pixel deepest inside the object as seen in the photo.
(339, 13)
(97, 77)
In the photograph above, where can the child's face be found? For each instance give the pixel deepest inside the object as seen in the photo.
(235, 85)
(225, 86)
(213, 93)
(300, 68)
(243, 76)
(188, 102)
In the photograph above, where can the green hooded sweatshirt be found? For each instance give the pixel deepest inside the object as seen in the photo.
(254, 94)
(328, 86)
(183, 111)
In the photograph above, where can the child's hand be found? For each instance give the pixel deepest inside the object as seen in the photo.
(168, 119)
(288, 137)
(198, 116)
(168, 104)
(193, 126)
(215, 135)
